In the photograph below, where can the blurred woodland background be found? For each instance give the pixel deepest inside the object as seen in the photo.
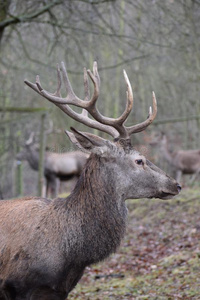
(156, 42)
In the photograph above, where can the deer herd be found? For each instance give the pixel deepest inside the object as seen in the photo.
(45, 245)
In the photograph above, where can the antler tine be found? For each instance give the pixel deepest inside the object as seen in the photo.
(84, 113)
(142, 126)
(66, 80)
(33, 85)
(96, 82)
(86, 86)
(30, 139)
(129, 102)
(59, 82)
(87, 92)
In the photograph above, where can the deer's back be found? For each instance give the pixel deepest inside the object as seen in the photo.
(66, 163)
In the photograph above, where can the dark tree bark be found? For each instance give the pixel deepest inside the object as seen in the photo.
(4, 5)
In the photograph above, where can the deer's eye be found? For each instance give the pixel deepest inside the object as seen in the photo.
(139, 162)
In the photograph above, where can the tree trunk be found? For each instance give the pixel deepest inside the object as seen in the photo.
(4, 5)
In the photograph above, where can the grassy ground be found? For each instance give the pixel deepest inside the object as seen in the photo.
(158, 259)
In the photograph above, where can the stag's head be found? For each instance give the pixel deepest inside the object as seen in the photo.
(136, 177)
(23, 154)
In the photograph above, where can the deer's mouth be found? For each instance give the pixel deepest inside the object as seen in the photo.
(166, 195)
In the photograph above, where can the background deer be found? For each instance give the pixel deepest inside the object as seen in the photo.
(184, 161)
(57, 166)
(45, 244)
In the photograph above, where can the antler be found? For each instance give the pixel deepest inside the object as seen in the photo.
(114, 127)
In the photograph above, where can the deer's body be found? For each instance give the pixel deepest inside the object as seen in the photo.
(188, 161)
(45, 244)
(57, 166)
(65, 164)
(54, 240)
(184, 161)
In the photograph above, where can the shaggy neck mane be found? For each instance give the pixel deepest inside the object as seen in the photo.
(100, 213)
(96, 188)
(93, 182)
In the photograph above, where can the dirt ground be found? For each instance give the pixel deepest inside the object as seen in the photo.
(159, 257)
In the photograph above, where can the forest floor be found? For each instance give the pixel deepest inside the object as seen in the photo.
(159, 257)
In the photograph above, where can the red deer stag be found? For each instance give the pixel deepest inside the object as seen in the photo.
(45, 245)
(184, 161)
(57, 166)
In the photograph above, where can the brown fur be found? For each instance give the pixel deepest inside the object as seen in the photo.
(57, 166)
(46, 244)
(53, 247)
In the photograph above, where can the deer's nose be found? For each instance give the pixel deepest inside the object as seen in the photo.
(178, 187)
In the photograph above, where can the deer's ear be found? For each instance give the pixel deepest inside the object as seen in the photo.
(87, 141)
